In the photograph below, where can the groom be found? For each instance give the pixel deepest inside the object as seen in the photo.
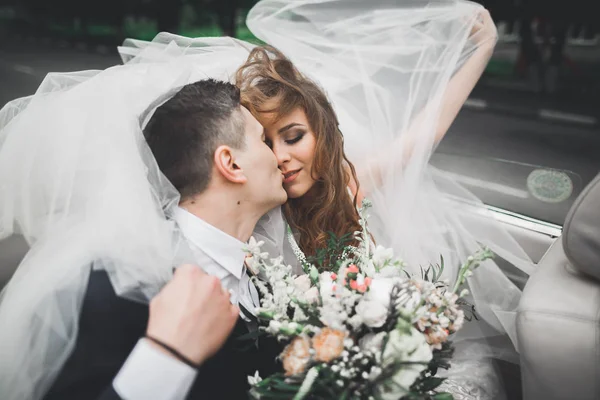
(212, 150)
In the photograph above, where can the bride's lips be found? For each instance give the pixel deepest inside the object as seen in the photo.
(291, 175)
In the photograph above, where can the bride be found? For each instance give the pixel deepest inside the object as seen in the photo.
(325, 188)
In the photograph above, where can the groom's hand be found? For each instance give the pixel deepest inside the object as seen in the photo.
(192, 314)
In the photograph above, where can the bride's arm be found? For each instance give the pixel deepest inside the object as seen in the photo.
(483, 36)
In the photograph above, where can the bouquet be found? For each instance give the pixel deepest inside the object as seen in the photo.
(364, 328)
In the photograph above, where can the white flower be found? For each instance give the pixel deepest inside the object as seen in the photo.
(254, 380)
(380, 290)
(355, 321)
(332, 314)
(375, 372)
(451, 297)
(326, 284)
(373, 312)
(325, 277)
(369, 268)
(253, 247)
(312, 295)
(298, 314)
(459, 321)
(277, 260)
(253, 244)
(444, 321)
(360, 279)
(381, 255)
(372, 342)
(302, 283)
(274, 326)
(410, 347)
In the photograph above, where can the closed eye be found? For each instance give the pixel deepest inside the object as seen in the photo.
(295, 140)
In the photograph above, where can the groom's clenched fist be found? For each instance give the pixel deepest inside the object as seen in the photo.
(192, 315)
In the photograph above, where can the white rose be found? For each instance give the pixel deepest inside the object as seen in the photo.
(373, 313)
(302, 283)
(326, 284)
(410, 347)
(325, 277)
(312, 295)
(380, 290)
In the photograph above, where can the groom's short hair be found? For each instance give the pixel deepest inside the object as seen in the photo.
(185, 131)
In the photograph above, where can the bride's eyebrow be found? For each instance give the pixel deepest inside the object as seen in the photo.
(288, 127)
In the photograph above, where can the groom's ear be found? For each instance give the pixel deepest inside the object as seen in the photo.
(226, 164)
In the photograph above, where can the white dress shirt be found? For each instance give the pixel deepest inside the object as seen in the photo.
(151, 374)
(220, 255)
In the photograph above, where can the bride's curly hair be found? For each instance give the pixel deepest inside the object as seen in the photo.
(327, 207)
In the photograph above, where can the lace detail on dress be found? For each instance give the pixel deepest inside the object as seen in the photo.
(300, 256)
(472, 380)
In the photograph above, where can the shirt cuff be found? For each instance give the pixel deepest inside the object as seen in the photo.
(149, 373)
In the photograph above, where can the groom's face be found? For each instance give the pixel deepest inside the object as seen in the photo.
(265, 182)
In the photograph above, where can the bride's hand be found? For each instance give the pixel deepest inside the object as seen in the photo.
(484, 30)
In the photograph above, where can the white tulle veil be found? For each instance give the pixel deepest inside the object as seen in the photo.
(385, 65)
(78, 181)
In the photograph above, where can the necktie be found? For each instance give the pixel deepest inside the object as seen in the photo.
(249, 300)
(250, 286)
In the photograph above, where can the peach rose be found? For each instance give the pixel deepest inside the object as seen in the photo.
(328, 344)
(296, 356)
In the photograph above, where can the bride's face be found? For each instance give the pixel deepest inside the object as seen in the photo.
(293, 142)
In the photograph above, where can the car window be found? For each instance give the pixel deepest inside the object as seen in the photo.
(532, 190)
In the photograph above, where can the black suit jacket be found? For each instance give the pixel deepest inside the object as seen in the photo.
(109, 328)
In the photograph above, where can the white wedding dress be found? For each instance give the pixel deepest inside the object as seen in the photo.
(75, 169)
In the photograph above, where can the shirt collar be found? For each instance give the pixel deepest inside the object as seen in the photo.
(225, 250)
